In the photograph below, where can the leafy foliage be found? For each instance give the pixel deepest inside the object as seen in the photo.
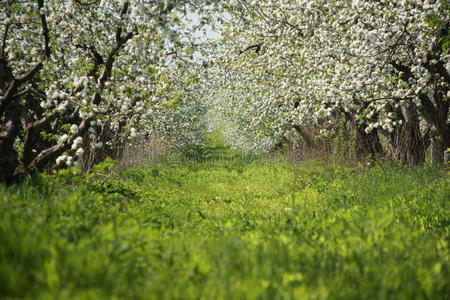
(228, 227)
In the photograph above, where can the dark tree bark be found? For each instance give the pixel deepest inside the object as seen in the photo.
(9, 128)
(308, 139)
(410, 143)
(10, 122)
(434, 108)
(367, 144)
(8, 155)
(437, 151)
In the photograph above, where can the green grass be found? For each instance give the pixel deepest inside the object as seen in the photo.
(228, 228)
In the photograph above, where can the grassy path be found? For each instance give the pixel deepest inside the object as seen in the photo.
(227, 228)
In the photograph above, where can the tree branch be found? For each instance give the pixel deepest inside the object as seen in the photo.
(125, 6)
(5, 36)
(45, 31)
(96, 98)
(256, 47)
(27, 76)
(16, 83)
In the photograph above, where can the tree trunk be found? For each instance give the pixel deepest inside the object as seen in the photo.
(411, 144)
(437, 152)
(8, 155)
(9, 128)
(367, 144)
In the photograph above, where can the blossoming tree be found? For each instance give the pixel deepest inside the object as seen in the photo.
(380, 68)
(79, 75)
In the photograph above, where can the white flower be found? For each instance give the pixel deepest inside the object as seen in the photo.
(63, 138)
(61, 159)
(69, 161)
(133, 132)
(78, 140)
(74, 129)
(62, 107)
(79, 152)
(46, 104)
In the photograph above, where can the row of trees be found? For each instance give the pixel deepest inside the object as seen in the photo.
(373, 72)
(80, 78)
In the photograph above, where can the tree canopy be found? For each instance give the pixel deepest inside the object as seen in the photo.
(80, 79)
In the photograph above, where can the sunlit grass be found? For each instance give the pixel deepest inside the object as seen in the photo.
(228, 228)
